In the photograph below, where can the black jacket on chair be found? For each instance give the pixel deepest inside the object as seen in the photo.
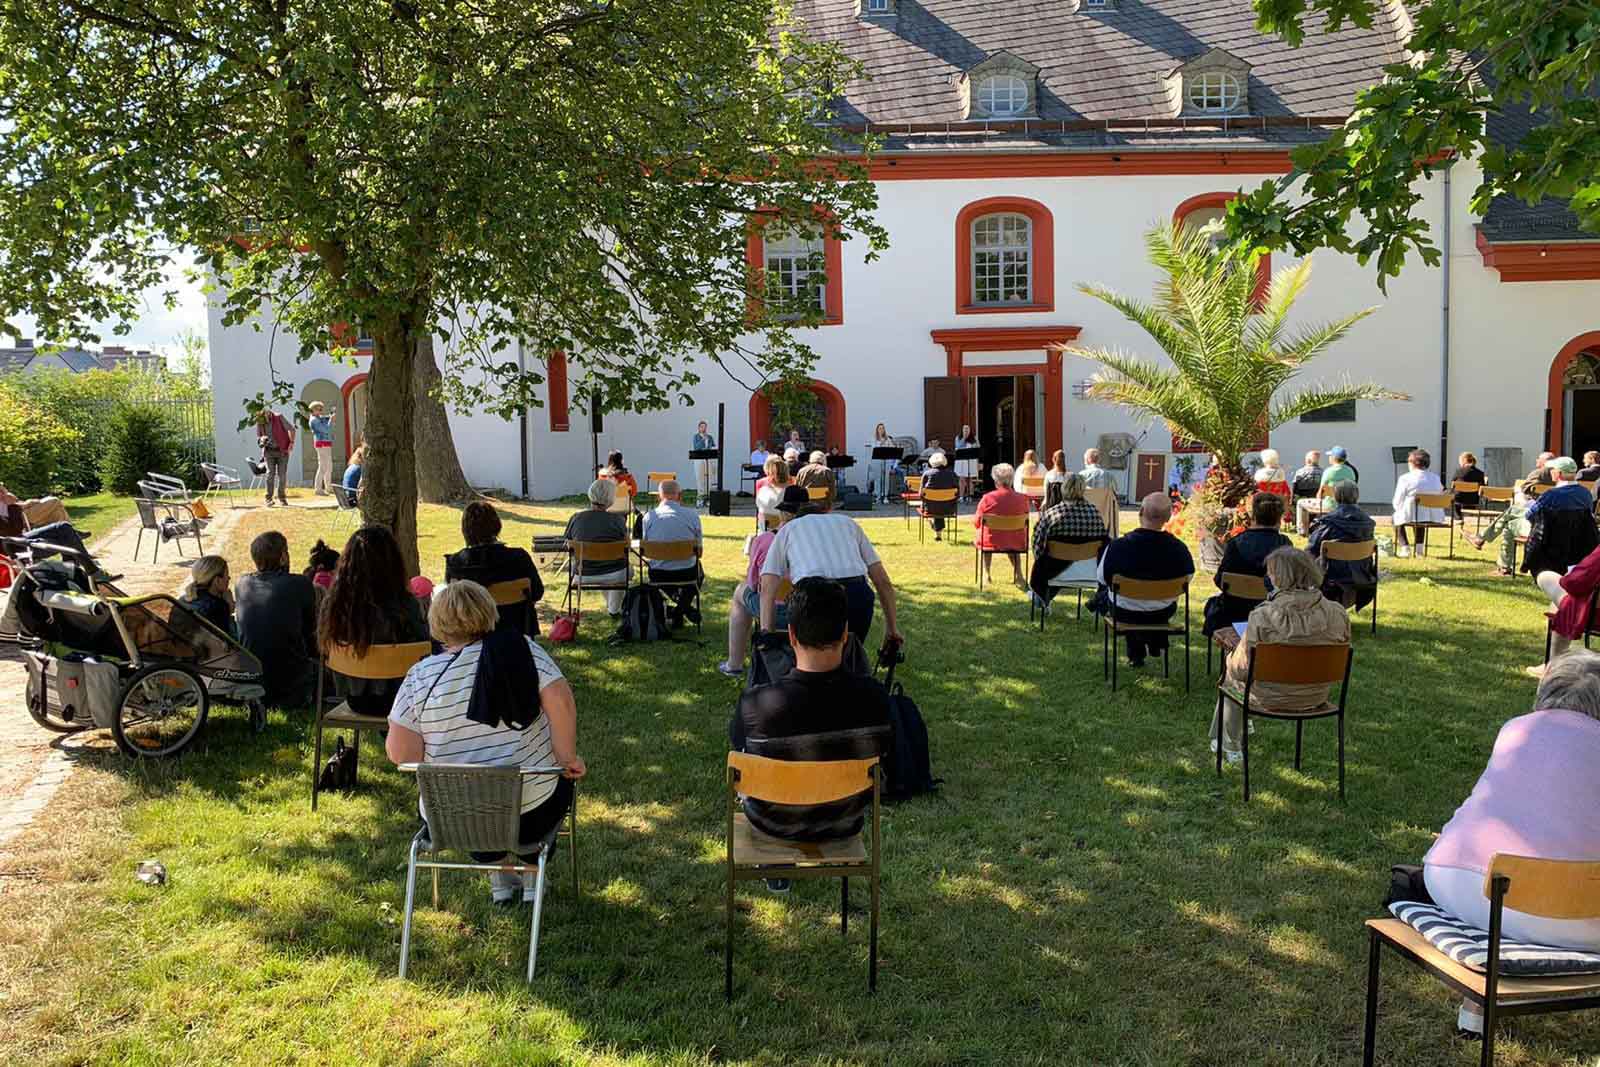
(1350, 582)
(1558, 540)
(494, 562)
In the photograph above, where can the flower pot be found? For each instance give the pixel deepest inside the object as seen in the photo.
(1210, 552)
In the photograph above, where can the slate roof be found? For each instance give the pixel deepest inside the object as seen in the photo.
(77, 359)
(15, 359)
(1096, 64)
(1512, 219)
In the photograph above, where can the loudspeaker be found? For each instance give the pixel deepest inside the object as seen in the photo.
(720, 502)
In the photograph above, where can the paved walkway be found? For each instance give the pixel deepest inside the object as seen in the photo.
(34, 761)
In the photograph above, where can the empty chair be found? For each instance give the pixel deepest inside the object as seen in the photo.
(344, 501)
(221, 479)
(168, 520)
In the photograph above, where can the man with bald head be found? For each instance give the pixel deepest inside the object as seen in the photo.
(1150, 554)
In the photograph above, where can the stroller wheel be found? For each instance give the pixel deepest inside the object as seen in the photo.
(163, 709)
(53, 718)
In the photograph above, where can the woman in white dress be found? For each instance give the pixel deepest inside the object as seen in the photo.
(966, 469)
(1417, 479)
(880, 467)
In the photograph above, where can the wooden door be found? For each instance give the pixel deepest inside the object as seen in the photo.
(941, 410)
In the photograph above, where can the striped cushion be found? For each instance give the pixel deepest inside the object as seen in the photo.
(1469, 946)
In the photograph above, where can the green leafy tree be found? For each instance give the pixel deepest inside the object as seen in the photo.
(519, 176)
(1510, 85)
(190, 373)
(1232, 358)
(138, 439)
(36, 448)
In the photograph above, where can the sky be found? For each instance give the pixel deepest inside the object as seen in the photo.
(158, 327)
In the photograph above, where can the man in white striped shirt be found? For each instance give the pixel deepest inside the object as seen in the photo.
(822, 544)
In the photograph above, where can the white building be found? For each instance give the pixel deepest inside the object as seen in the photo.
(1028, 148)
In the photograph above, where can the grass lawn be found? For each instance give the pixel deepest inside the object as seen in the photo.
(98, 512)
(1083, 889)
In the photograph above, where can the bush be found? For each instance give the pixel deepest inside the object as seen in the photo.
(138, 439)
(35, 447)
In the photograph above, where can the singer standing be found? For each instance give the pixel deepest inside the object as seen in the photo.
(702, 467)
(966, 469)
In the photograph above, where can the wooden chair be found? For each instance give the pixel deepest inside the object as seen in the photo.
(1446, 501)
(939, 504)
(1138, 589)
(1071, 553)
(1591, 630)
(381, 663)
(1240, 587)
(1352, 552)
(1590, 486)
(1539, 489)
(912, 495)
(595, 552)
(671, 552)
(1000, 524)
(1550, 889)
(1487, 494)
(655, 478)
(1289, 665)
(821, 494)
(1033, 489)
(753, 854)
(1105, 502)
(517, 592)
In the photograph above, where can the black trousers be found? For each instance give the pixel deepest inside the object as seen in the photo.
(861, 601)
(680, 596)
(1142, 644)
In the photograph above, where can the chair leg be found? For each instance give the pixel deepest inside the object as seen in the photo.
(1186, 656)
(727, 952)
(138, 543)
(572, 841)
(1547, 633)
(844, 906)
(1244, 747)
(1487, 1058)
(1341, 755)
(1299, 728)
(1221, 708)
(411, 897)
(538, 914)
(316, 758)
(872, 950)
(435, 889)
(1369, 1046)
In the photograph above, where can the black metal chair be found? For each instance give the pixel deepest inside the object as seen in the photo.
(1138, 589)
(1288, 665)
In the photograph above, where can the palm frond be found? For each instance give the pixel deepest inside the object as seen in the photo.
(1316, 397)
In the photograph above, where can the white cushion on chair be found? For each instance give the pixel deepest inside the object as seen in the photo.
(619, 580)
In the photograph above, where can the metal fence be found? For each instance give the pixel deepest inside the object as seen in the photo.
(192, 416)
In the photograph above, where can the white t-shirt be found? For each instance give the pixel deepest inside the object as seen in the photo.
(829, 545)
(432, 701)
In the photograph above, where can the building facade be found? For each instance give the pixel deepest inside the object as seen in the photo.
(1026, 150)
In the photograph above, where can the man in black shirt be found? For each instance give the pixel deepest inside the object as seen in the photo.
(1148, 554)
(487, 561)
(277, 616)
(819, 711)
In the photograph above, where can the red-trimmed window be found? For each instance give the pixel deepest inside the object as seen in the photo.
(793, 271)
(351, 337)
(1208, 208)
(1005, 256)
(555, 380)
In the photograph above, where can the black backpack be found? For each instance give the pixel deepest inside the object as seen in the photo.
(644, 616)
(907, 766)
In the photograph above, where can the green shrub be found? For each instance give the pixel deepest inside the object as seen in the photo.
(138, 439)
(35, 446)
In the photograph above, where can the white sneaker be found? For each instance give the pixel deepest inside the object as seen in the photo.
(1402, 552)
(1469, 1020)
(530, 884)
(503, 886)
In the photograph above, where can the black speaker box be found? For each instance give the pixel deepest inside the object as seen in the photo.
(721, 502)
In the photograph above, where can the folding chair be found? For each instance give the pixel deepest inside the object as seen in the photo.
(258, 473)
(753, 854)
(594, 552)
(1487, 494)
(1240, 587)
(514, 593)
(655, 478)
(344, 504)
(473, 808)
(1072, 553)
(912, 495)
(941, 504)
(1000, 524)
(1551, 889)
(675, 552)
(1353, 552)
(1475, 489)
(1447, 501)
(1289, 665)
(221, 479)
(1138, 589)
(820, 493)
(381, 663)
(166, 519)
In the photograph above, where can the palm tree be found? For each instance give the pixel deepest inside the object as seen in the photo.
(1232, 355)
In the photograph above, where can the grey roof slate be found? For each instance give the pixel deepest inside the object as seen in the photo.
(15, 359)
(1511, 219)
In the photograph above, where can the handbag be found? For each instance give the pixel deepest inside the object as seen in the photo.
(340, 770)
(565, 629)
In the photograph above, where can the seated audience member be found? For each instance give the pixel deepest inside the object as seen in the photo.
(1148, 553)
(939, 476)
(209, 595)
(1074, 521)
(1339, 468)
(759, 454)
(745, 607)
(1590, 471)
(1308, 479)
(321, 564)
(817, 458)
(818, 542)
(352, 470)
(1536, 797)
(1295, 614)
(1094, 475)
(616, 471)
(1556, 524)
(487, 560)
(792, 460)
(1246, 553)
(775, 472)
(1030, 467)
(671, 521)
(1467, 470)
(1417, 479)
(1002, 500)
(470, 704)
(598, 522)
(17, 517)
(1352, 583)
(1571, 593)
(819, 711)
(1270, 477)
(421, 587)
(1512, 523)
(277, 618)
(369, 603)
(1541, 475)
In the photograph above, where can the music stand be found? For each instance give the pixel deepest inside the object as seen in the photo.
(838, 464)
(893, 453)
(975, 452)
(1401, 455)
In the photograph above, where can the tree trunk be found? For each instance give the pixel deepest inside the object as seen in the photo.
(439, 476)
(389, 480)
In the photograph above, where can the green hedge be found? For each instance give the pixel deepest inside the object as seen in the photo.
(138, 439)
(37, 450)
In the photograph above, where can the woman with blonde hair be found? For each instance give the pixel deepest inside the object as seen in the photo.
(1296, 613)
(209, 594)
(1030, 467)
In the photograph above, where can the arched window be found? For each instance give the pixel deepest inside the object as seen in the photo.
(794, 271)
(1002, 259)
(1002, 95)
(1005, 256)
(1208, 210)
(1213, 91)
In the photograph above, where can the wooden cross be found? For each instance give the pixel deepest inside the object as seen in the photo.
(1153, 466)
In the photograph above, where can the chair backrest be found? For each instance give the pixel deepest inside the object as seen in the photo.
(1004, 523)
(1144, 589)
(1435, 500)
(785, 587)
(516, 591)
(671, 551)
(623, 502)
(470, 808)
(1327, 490)
(147, 513)
(772, 522)
(913, 483)
(1243, 586)
(818, 492)
(939, 496)
(800, 781)
(1349, 551)
(380, 662)
(1502, 493)
(343, 497)
(1033, 486)
(1073, 553)
(1539, 489)
(1589, 486)
(256, 466)
(598, 551)
(1470, 488)
(1550, 889)
(657, 477)
(1301, 664)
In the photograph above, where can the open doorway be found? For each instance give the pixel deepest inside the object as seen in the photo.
(1010, 416)
(1581, 401)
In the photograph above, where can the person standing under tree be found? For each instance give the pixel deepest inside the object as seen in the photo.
(322, 443)
(702, 467)
(276, 437)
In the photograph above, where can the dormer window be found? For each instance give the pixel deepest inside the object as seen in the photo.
(877, 8)
(1003, 95)
(1003, 86)
(1214, 92)
(1211, 84)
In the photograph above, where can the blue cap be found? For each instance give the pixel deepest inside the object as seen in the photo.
(1338, 452)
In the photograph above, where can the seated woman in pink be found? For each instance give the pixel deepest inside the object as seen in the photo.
(1002, 500)
(745, 608)
(1537, 797)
